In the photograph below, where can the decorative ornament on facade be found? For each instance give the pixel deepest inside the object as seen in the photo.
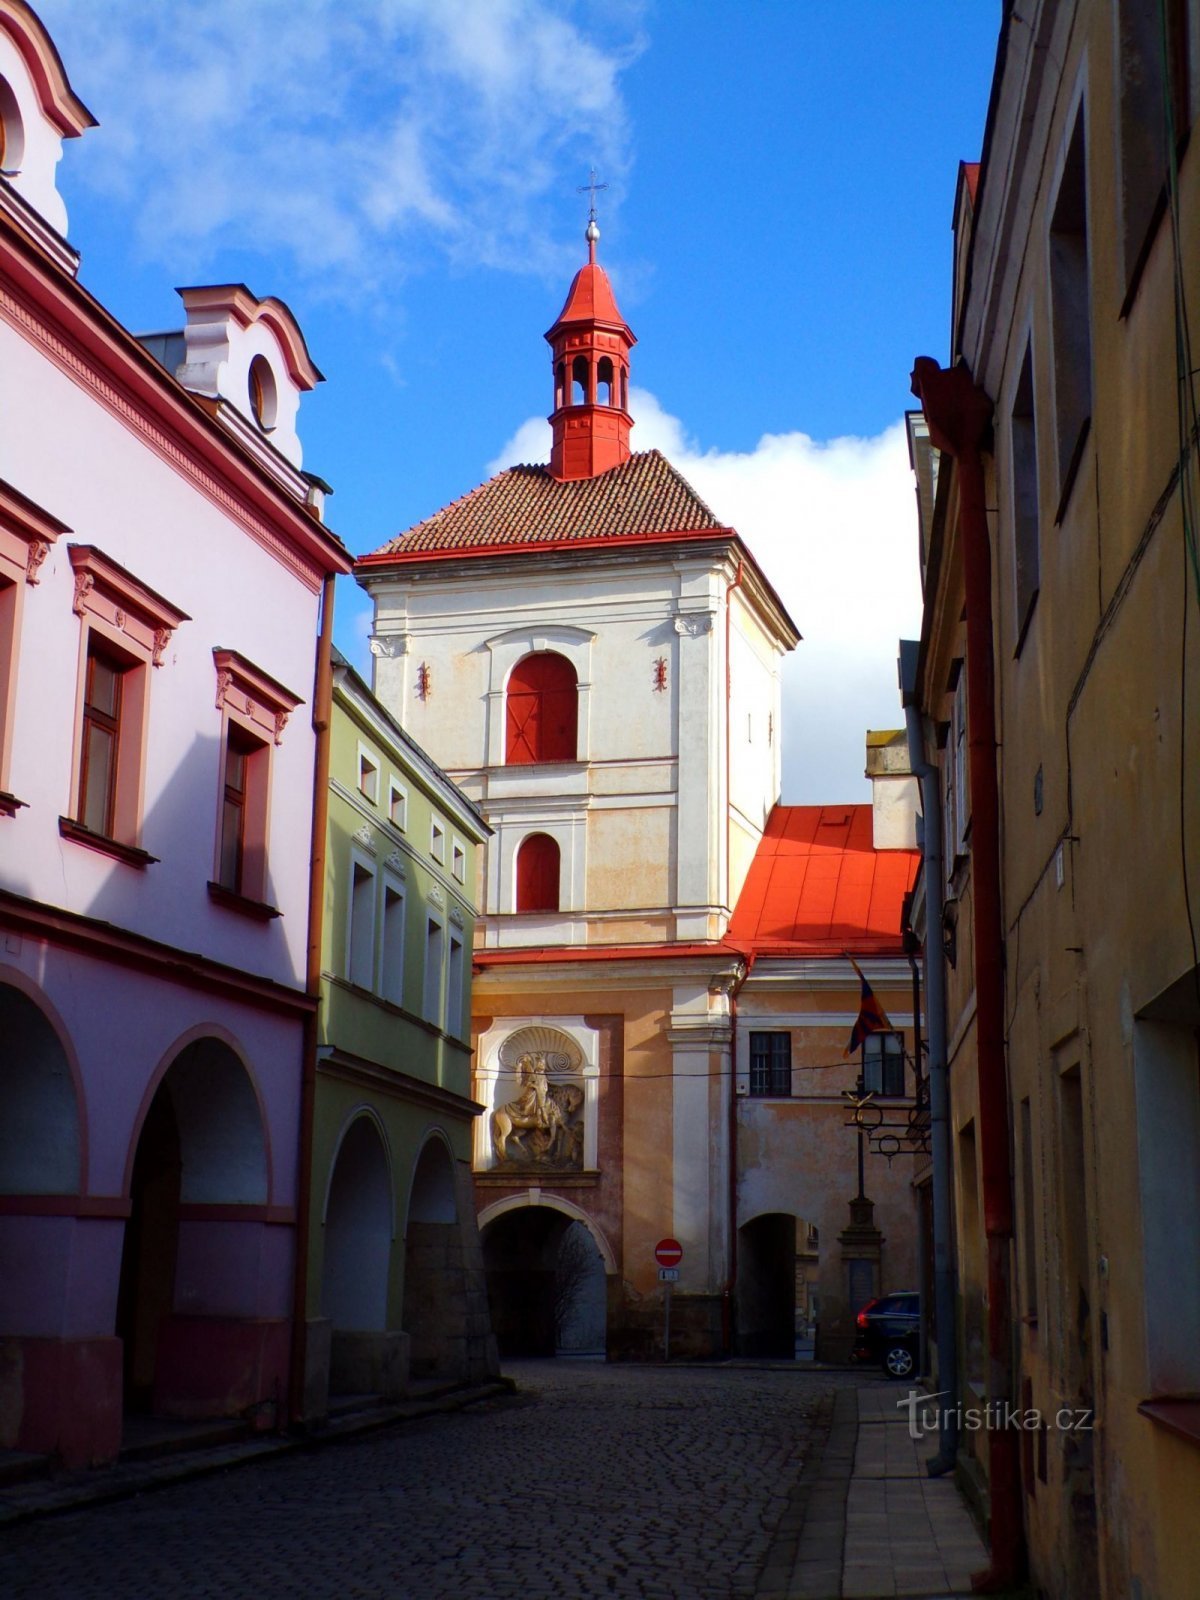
(660, 674)
(694, 623)
(39, 549)
(122, 619)
(363, 837)
(542, 1126)
(224, 679)
(456, 916)
(389, 645)
(436, 897)
(162, 638)
(424, 681)
(397, 864)
(84, 584)
(281, 722)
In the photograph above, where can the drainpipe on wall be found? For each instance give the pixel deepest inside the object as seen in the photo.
(939, 1081)
(958, 414)
(731, 1282)
(322, 712)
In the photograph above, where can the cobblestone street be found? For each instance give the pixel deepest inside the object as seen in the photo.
(596, 1481)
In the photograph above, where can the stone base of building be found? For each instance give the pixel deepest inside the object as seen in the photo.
(369, 1363)
(699, 1327)
(314, 1396)
(223, 1367)
(61, 1397)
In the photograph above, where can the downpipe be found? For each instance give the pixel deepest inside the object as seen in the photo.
(958, 414)
(939, 1075)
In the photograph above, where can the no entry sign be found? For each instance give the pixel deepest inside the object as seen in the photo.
(668, 1252)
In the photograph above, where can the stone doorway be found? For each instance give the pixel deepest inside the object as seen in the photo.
(766, 1287)
(547, 1283)
(356, 1265)
(436, 1300)
(189, 1302)
(146, 1293)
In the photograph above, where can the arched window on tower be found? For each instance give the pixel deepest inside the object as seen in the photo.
(604, 381)
(537, 873)
(579, 381)
(560, 385)
(542, 705)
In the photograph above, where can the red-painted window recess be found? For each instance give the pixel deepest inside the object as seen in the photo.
(537, 873)
(542, 710)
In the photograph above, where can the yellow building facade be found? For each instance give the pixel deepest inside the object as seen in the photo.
(1061, 649)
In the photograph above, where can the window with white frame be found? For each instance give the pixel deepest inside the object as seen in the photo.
(454, 987)
(883, 1064)
(392, 955)
(956, 805)
(397, 804)
(1156, 75)
(458, 861)
(1071, 312)
(437, 841)
(434, 955)
(962, 795)
(771, 1063)
(368, 774)
(360, 941)
(1027, 535)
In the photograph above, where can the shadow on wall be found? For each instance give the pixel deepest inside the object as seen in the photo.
(168, 900)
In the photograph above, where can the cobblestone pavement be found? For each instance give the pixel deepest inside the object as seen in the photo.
(604, 1481)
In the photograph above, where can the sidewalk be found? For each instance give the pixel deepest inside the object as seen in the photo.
(869, 1522)
(161, 1454)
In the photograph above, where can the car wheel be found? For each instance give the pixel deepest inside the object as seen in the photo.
(898, 1361)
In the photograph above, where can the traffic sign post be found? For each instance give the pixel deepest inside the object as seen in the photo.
(668, 1253)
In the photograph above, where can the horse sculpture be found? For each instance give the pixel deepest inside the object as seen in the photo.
(536, 1126)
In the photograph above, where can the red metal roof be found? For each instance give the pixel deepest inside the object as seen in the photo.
(818, 886)
(590, 299)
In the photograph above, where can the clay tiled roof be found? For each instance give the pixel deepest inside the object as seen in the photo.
(643, 498)
(818, 886)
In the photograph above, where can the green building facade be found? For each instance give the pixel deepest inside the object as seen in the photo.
(395, 1287)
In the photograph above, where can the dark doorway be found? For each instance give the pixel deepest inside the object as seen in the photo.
(147, 1285)
(766, 1287)
(435, 1281)
(520, 1256)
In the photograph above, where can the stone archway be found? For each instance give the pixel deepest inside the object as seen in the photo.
(436, 1309)
(39, 1113)
(547, 1274)
(188, 1303)
(766, 1287)
(356, 1269)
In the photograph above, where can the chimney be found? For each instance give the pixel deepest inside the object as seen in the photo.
(895, 795)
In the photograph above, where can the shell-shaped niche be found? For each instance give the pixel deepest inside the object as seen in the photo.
(561, 1052)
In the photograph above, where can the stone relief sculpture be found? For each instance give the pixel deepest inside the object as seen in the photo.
(543, 1125)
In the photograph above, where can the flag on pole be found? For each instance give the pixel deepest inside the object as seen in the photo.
(872, 1018)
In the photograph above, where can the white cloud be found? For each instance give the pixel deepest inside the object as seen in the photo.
(360, 138)
(833, 525)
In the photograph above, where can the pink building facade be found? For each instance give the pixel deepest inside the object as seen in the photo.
(162, 568)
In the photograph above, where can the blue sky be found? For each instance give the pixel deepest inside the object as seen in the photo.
(403, 173)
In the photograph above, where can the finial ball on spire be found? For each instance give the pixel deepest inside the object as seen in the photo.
(593, 232)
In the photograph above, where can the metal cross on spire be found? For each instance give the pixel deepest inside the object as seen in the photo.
(592, 188)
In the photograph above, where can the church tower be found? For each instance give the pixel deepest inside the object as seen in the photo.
(594, 657)
(590, 344)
